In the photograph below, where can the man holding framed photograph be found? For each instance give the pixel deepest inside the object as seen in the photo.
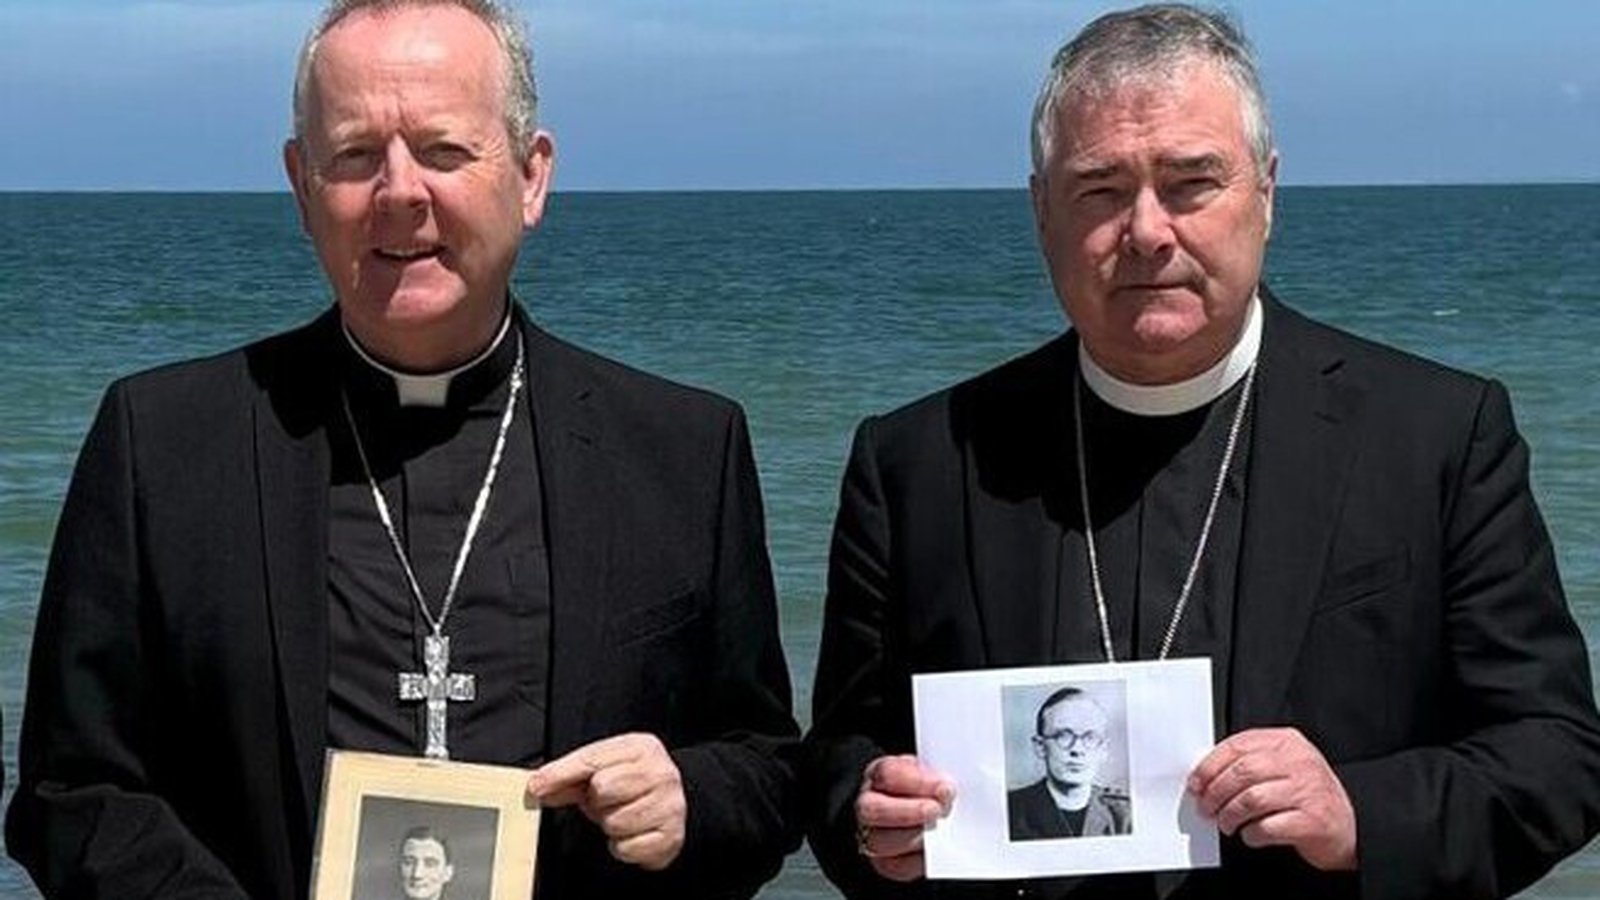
(417, 525)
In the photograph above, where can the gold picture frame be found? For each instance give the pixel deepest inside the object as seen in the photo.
(385, 818)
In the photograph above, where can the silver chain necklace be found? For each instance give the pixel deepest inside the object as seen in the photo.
(1205, 527)
(437, 686)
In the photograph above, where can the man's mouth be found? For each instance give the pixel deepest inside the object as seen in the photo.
(407, 253)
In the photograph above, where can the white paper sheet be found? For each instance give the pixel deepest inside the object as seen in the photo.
(979, 728)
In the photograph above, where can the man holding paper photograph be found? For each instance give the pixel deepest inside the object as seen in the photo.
(1347, 532)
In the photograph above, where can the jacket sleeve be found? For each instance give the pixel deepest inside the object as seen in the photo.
(1518, 787)
(85, 820)
(861, 705)
(741, 783)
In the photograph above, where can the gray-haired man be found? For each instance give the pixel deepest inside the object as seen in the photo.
(419, 524)
(1347, 532)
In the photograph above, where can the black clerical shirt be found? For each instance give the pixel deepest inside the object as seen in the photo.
(430, 463)
(1150, 482)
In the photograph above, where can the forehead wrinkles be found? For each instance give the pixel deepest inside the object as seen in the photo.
(407, 62)
(1170, 109)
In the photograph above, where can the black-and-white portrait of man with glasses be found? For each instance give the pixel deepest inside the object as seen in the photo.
(1074, 737)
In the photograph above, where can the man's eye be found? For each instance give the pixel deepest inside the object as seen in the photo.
(1097, 193)
(1193, 189)
(353, 162)
(445, 156)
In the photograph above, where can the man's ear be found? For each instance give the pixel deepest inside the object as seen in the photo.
(537, 168)
(1269, 187)
(295, 167)
(1037, 192)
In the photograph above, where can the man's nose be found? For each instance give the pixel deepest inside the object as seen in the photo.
(1148, 230)
(401, 183)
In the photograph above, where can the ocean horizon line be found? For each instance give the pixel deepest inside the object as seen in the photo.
(687, 191)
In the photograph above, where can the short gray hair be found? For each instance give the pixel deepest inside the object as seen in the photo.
(1149, 42)
(521, 100)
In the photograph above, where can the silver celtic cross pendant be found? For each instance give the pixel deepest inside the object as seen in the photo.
(438, 686)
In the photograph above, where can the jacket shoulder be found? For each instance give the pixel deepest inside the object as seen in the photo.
(1365, 358)
(200, 392)
(624, 389)
(1117, 806)
(1112, 795)
(994, 402)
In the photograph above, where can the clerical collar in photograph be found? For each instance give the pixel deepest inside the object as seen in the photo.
(460, 386)
(1060, 799)
(1186, 395)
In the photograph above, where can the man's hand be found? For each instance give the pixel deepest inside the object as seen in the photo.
(899, 796)
(1274, 787)
(627, 785)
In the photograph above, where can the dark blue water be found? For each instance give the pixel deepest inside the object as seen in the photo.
(811, 309)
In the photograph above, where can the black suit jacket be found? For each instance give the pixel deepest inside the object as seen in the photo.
(176, 718)
(1397, 601)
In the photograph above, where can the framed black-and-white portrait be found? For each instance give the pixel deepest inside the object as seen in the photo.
(404, 828)
(1067, 770)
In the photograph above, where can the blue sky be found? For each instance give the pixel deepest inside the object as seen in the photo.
(666, 94)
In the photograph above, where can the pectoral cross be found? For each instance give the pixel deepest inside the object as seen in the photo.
(439, 687)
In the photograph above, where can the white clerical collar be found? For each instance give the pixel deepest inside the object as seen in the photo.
(433, 388)
(1182, 396)
(1060, 798)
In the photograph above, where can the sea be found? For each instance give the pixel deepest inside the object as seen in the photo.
(811, 309)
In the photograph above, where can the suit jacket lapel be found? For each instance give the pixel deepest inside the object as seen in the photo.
(1300, 458)
(292, 464)
(576, 486)
(1097, 817)
(1016, 458)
